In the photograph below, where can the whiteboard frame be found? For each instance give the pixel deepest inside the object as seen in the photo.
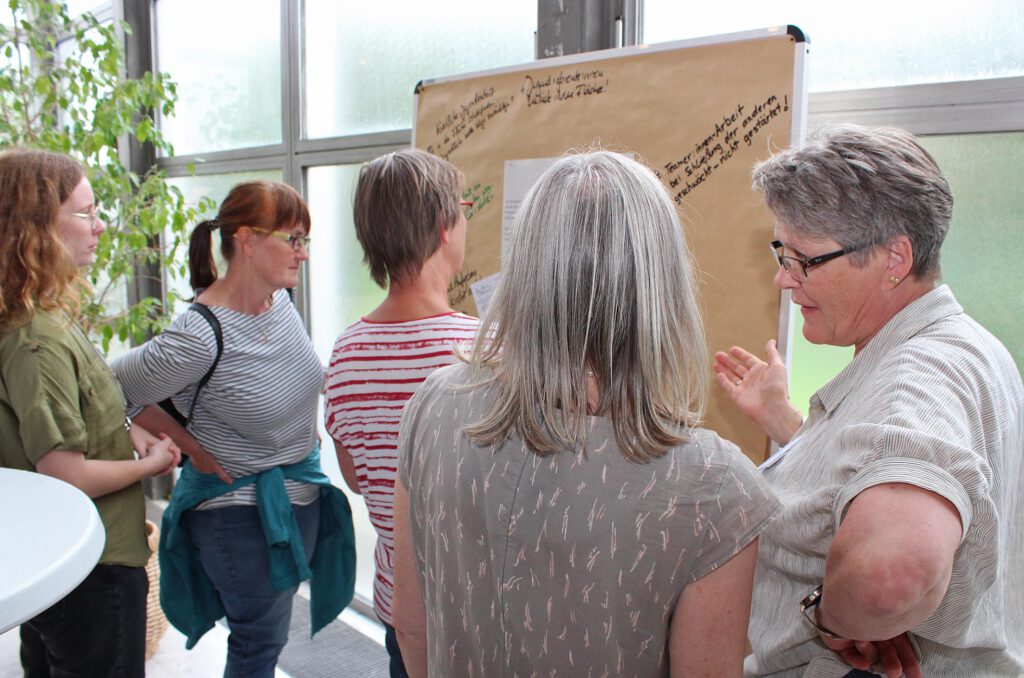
(798, 123)
(799, 76)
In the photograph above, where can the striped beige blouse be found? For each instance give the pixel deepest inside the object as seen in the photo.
(933, 400)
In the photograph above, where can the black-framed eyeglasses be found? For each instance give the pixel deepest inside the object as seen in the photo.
(806, 263)
(297, 242)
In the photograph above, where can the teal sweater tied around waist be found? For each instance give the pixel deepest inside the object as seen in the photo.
(188, 598)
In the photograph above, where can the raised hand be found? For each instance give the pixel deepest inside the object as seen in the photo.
(760, 389)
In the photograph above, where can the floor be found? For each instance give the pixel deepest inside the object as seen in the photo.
(353, 642)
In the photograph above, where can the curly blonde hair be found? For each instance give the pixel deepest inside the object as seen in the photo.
(38, 272)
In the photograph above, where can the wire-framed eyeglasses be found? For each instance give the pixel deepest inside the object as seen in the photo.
(91, 216)
(805, 264)
(296, 242)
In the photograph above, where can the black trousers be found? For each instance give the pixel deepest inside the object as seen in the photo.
(99, 629)
(396, 668)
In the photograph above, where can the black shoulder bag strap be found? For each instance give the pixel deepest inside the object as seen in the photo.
(204, 310)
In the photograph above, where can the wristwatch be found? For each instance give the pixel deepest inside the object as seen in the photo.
(807, 605)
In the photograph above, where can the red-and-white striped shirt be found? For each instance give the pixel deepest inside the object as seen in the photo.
(375, 368)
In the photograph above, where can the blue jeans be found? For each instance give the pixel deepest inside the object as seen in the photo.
(233, 552)
(99, 629)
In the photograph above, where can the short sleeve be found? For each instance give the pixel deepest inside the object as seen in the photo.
(333, 392)
(45, 398)
(932, 438)
(740, 509)
(929, 468)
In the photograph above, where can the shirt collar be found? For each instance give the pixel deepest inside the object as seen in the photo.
(924, 311)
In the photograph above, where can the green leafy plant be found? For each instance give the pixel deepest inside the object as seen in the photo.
(62, 88)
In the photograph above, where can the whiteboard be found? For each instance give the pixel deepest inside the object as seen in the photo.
(699, 112)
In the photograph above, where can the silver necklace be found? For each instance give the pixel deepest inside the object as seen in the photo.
(263, 322)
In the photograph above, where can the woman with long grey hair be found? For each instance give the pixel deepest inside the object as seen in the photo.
(559, 508)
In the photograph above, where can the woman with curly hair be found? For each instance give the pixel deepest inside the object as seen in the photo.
(61, 414)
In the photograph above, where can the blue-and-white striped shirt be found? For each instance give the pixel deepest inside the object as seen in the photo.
(259, 408)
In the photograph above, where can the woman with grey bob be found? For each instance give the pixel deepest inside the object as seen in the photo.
(900, 535)
(560, 510)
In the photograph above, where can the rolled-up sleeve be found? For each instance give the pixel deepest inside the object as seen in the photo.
(934, 437)
(46, 400)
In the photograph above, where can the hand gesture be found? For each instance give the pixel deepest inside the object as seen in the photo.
(760, 389)
(147, 445)
(163, 453)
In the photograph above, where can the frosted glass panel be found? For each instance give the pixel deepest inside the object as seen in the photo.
(77, 7)
(363, 59)
(873, 44)
(982, 257)
(226, 61)
(216, 187)
(340, 292)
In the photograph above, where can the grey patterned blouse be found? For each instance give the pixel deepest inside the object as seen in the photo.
(569, 564)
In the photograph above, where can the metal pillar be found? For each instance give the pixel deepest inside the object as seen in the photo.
(575, 26)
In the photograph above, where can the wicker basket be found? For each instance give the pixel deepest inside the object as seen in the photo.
(156, 622)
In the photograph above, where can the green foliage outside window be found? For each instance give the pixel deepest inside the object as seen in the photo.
(62, 88)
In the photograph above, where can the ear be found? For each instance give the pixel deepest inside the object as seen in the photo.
(899, 258)
(243, 238)
(445, 234)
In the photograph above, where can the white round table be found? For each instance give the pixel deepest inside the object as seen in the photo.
(51, 537)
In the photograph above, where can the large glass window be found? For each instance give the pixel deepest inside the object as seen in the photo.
(341, 290)
(77, 7)
(875, 44)
(983, 256)
(226, 61)
(340, 293)
(363, 59)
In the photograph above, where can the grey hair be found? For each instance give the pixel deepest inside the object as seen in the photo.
(598, 277)
(861, 187)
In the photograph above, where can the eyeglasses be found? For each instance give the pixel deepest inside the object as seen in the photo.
(806, 263)
(467, 205)
(297, 242)
(92, 217)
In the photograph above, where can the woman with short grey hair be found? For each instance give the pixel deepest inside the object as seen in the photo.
(900, 522)
(560, 510)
